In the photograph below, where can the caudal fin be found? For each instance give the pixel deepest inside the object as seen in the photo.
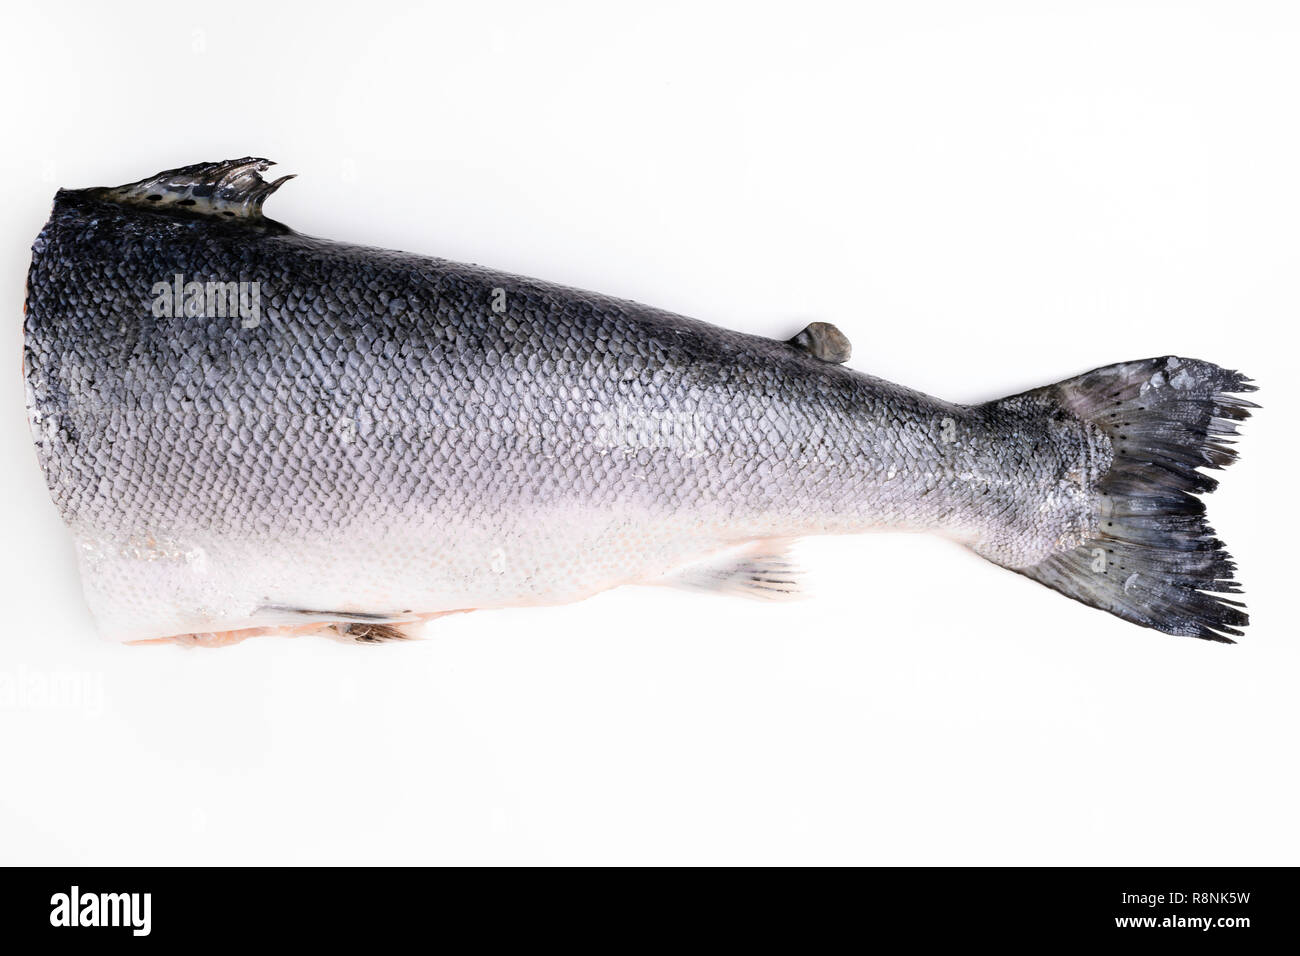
(1153, 559)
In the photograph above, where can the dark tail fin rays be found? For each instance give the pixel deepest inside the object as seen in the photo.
(1154, 559)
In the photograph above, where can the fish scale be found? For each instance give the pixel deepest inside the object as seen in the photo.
(384, 437)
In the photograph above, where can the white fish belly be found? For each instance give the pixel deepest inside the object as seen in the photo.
(149, 586)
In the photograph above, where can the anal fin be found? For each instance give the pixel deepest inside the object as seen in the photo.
(763, 570)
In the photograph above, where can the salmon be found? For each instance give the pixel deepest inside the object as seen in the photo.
(249, 431)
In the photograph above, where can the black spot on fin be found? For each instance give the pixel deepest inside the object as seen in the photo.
(824, 341)
(232, 189)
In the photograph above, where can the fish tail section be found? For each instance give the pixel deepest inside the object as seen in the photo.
(1151, 557)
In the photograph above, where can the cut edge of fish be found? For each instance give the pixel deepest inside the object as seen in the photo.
(230, 189)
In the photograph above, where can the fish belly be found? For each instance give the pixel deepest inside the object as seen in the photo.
(146, 585)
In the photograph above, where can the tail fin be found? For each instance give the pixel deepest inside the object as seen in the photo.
(1153, 557)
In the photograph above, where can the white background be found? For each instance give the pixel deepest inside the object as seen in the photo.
(984, 197)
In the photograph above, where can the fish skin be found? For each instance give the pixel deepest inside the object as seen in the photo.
(399, 436)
